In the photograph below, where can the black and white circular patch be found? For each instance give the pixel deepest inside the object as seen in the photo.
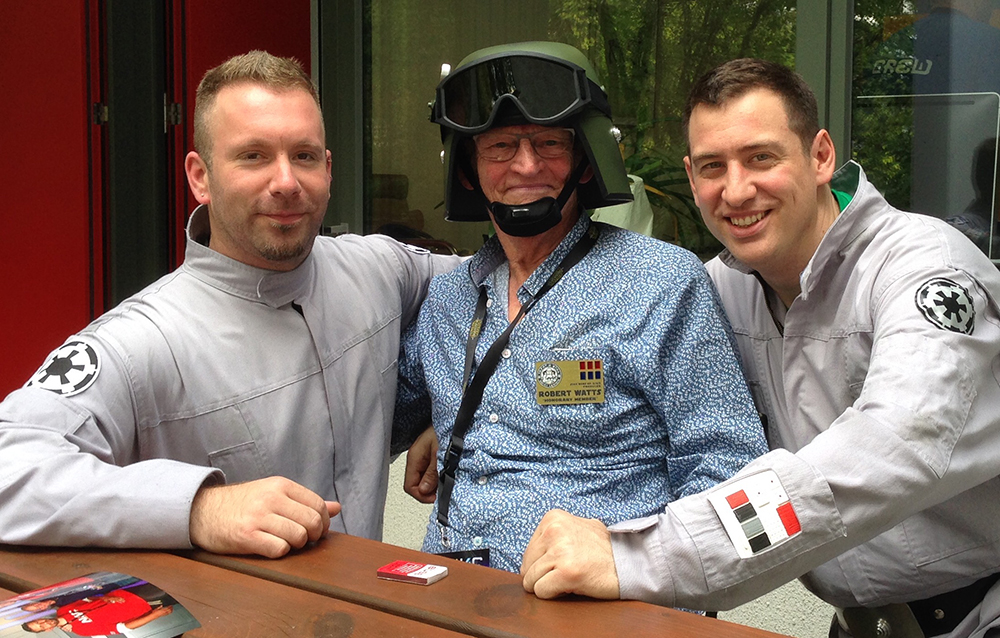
(69, 370)
(947, 305)
(548, 375)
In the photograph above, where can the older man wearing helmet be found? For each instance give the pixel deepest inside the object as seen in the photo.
(568, 364)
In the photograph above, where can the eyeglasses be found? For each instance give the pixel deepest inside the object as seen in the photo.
(502, 147)
(545, 89)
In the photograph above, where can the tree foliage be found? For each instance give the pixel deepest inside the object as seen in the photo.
(882, 133)
(649, 53)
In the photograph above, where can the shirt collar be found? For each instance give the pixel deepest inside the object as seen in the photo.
(269, 287)
(491, 256)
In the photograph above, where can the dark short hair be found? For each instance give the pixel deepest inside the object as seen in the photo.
(255, 67)
(735, 78)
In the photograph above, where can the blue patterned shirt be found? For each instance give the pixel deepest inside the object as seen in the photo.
(676, 418)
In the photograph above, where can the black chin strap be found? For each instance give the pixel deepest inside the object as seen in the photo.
(571, 184)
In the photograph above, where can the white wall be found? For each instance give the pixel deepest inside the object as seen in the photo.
(790, 610)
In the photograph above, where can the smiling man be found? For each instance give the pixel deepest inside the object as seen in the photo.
(870, 338)
(246, 128)
(772, 207)
(242, 403)
(569, 364)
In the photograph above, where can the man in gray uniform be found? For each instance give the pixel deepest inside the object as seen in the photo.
(240, 402)
(871, 342)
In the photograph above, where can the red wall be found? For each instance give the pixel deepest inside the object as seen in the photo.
(45, 261)
(51, 268)
(214, 30)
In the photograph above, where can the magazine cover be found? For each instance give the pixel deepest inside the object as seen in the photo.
(98, 604)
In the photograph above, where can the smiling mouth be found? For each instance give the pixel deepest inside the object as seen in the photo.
(746, 221)
(284, 217)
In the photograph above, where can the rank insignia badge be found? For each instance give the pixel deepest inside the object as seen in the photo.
(756, 513)
(569, 382)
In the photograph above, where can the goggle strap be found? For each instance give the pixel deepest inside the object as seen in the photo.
(598, 99)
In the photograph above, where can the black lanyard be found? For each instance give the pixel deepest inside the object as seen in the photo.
(472, 394)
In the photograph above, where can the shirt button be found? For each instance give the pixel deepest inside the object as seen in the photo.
(494, 418)
(477, 541)
(482, 480)
(489, 303)
(506, 353)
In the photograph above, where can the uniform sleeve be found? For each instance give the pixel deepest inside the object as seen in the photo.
(697, 387)
(69, 468)
(921, 431)
(684, 557)
(412, 414)
(416, 267)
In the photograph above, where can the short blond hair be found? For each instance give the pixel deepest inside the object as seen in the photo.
(255, 67)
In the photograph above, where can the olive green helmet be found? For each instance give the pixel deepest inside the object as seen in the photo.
(546, 83)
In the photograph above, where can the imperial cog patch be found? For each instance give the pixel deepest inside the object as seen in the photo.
(947, 305)
(69, 370)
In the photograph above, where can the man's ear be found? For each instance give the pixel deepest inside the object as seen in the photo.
(690, 174)
(588, 174)
(824, 157)
(197, 174)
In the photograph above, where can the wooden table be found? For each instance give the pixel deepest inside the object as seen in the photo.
(330, 590)
(473, 600)
(226, 603)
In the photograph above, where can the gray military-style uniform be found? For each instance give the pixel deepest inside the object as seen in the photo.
(217, 372)
(880, 388)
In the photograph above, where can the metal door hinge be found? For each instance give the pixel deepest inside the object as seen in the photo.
(100, 113)
(171, 113)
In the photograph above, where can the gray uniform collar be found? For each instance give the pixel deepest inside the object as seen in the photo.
(849, 225)
(275, 289)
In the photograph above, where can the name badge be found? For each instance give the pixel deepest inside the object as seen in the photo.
(569, 382)
(473, 556)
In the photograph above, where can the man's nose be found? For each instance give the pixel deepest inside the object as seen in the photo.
(526, 159)
(284, 181)
(739, 186)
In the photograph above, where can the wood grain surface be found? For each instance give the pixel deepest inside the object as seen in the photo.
(475, 600)
(226, 603)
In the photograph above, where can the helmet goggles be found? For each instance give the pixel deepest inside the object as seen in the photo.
(545, 90)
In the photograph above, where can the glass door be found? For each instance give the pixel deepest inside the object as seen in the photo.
(926, 108)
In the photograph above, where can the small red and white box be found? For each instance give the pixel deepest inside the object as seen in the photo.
(408, 572)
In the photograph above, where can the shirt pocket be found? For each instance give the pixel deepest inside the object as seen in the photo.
(239, 463)
(220, 438)
(956, 532)
(383, 346)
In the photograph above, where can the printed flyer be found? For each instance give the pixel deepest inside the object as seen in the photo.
(98, 604)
